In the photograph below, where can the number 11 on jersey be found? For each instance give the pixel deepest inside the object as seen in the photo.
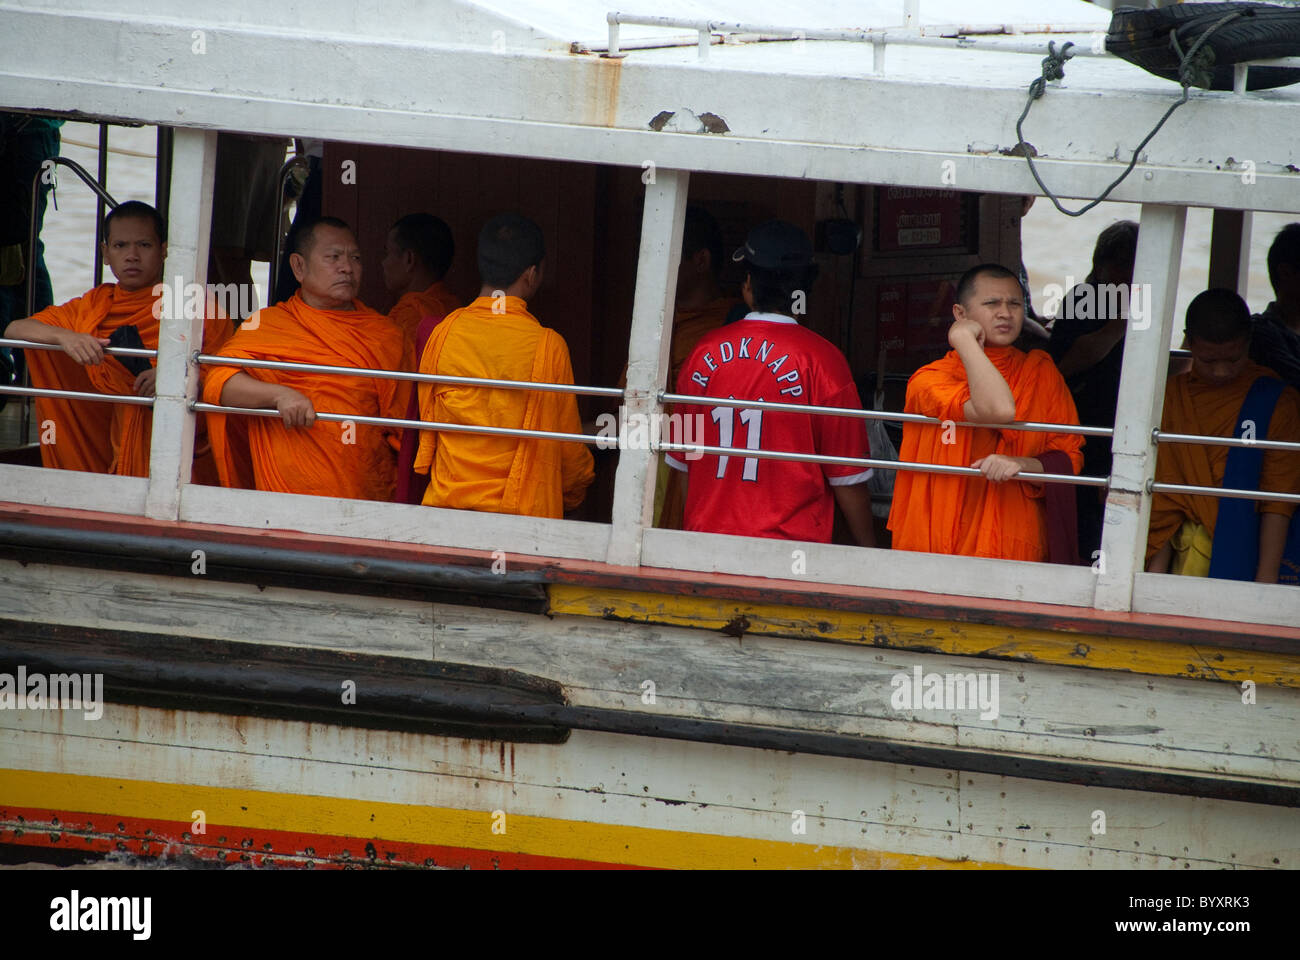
(752, 420)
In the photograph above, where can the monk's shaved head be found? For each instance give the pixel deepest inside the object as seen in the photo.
(507, 246)
(966, 285)
(135, 210)
(306, 235)
(1218, 316)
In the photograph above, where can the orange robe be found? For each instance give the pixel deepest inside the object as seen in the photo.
(688, 327)
(972, 516)
(411, 308)
(540, 478)
(327, 459)
(417, 314)
(1193, 406)
(107, 437)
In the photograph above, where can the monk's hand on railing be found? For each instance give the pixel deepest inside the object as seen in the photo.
(82, 347)
(998, 467)
(145, 382)
(295, 409)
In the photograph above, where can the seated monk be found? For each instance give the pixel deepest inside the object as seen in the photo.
(495, 337)
(701, 307)
(96, 436)
(323, 323)
(1226, 394)
(417, 255)
(984, 379)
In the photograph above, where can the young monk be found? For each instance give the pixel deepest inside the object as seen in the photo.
(1225, 394)
(96, 436)
(496, 337)
(417, 255)
(323, 323)
(984, 379)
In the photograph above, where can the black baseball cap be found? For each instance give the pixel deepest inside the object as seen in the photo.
(776, 245)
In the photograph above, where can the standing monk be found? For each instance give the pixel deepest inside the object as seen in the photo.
(96, 436)
(1225, 394)
(323, 323)
(984, 379)
(495, 337)
(417, 255)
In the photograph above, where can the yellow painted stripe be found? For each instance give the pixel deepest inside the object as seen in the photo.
(442, 826)
(1155, 657)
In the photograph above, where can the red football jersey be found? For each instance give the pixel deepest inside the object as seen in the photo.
(769, 357)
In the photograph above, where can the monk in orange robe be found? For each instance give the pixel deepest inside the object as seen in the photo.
(495, 337)
(983, 379)
(95, 436)
(701, 307)
(417, 255)
(323, 323)
(1187, 534)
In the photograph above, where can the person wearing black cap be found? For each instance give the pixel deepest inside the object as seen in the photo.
(769, 356)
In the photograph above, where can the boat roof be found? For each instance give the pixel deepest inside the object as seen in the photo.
(527, 79)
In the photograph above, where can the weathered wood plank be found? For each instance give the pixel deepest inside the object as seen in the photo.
(405, 523)
(215, 610)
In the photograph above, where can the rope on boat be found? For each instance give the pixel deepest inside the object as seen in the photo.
(1190, 68)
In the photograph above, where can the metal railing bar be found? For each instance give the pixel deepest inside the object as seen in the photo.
(611, 442)
(1161, 437)
(210, 359)
(1084, 481)
(117, 351)
(78, 395)
(200, 407)
(1153, 487)
(889, 415)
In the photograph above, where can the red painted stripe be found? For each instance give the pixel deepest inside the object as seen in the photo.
(144, 837)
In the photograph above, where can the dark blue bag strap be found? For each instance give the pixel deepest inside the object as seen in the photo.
(1235, 554)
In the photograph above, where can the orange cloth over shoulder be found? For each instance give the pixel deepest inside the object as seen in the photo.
(970, 515)
(329, 459)
(1194, 406)
(437, 301)
(417, 314)
(106, 437)
(540, 478)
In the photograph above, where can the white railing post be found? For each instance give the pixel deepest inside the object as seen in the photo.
(1141, 399)
(648, 347)
(190, 219)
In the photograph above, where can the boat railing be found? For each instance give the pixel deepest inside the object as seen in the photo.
(29, 391)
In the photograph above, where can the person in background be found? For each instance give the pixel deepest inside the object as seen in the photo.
(1225, 394)
(417, 255)
(1088, 347)
(1275, 334)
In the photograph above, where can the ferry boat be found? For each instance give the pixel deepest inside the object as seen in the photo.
(299, 681)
